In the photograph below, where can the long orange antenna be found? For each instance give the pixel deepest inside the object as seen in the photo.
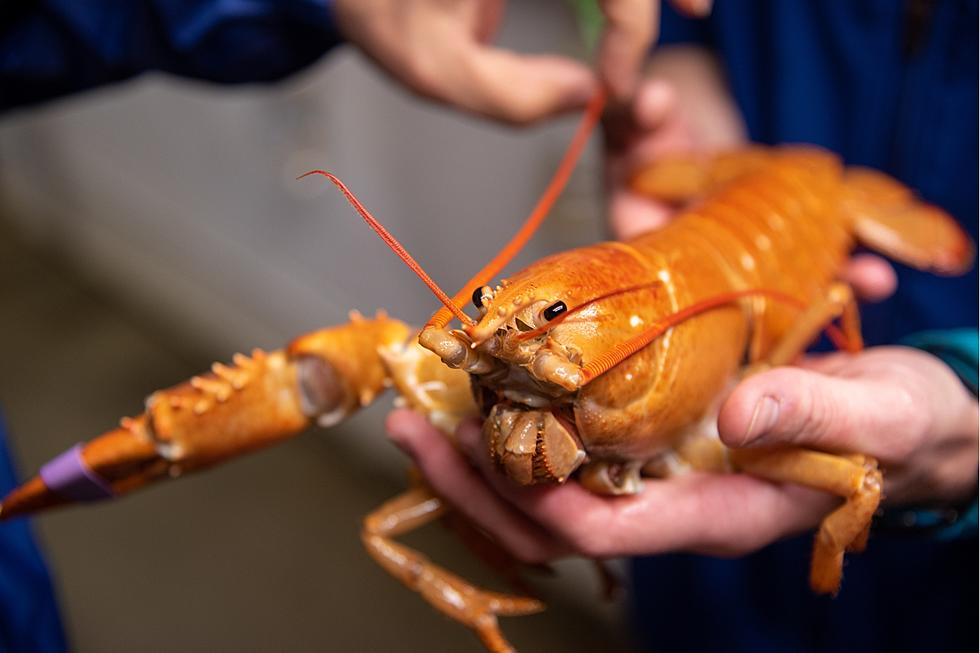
(396, 247)
(557, 184)
(680, 316)
(617, 354)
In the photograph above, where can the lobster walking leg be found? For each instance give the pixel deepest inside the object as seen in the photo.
(857, 481)
(838, 301)
(453, 596)
(855, 478)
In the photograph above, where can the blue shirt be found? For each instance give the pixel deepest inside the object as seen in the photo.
(51, 48)
(900, 94)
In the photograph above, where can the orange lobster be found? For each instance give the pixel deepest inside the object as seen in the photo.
(606, 363)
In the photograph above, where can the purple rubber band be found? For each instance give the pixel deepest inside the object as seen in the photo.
(68, 475)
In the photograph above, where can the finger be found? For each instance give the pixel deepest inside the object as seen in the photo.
(638, 123)
(655, 100)
(645, 139)
(506, 86)
(872, 277)
(631, 215)
(802, 407)
(718, 514)
(452, 478)
(631, 27)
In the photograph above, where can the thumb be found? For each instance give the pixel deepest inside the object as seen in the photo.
(517, 88)
(805, 408)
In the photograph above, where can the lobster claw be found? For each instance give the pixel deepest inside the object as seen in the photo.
(260, 400)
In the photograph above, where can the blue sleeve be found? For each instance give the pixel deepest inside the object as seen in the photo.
(52, 48)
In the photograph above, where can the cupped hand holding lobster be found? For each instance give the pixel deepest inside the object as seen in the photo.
(900, 405)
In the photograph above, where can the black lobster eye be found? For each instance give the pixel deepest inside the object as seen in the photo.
(554, 310)
(478, 297)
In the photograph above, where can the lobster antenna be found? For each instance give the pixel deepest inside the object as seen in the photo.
(557, 184)
(618, 353)
(395, 246)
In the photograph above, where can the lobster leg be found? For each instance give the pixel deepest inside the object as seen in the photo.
(453, 596)
(856, 479)
(837, 302)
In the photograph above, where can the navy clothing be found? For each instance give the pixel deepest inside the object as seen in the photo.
(895, 90)
(50, 48)
(29, 621)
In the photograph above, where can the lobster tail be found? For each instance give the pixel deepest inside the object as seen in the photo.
(882, 213)
(888, 218)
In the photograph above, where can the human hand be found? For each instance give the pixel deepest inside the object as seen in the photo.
(900, 405)
(903, 406)
(441, 50)
(683, 104)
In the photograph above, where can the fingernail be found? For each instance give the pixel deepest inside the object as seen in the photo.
(764, 418)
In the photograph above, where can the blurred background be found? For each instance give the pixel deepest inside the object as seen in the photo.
(150, 228)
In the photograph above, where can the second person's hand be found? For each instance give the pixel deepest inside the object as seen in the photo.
(441, 49)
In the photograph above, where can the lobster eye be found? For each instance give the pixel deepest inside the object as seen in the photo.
(478, 297)
(554, 310)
